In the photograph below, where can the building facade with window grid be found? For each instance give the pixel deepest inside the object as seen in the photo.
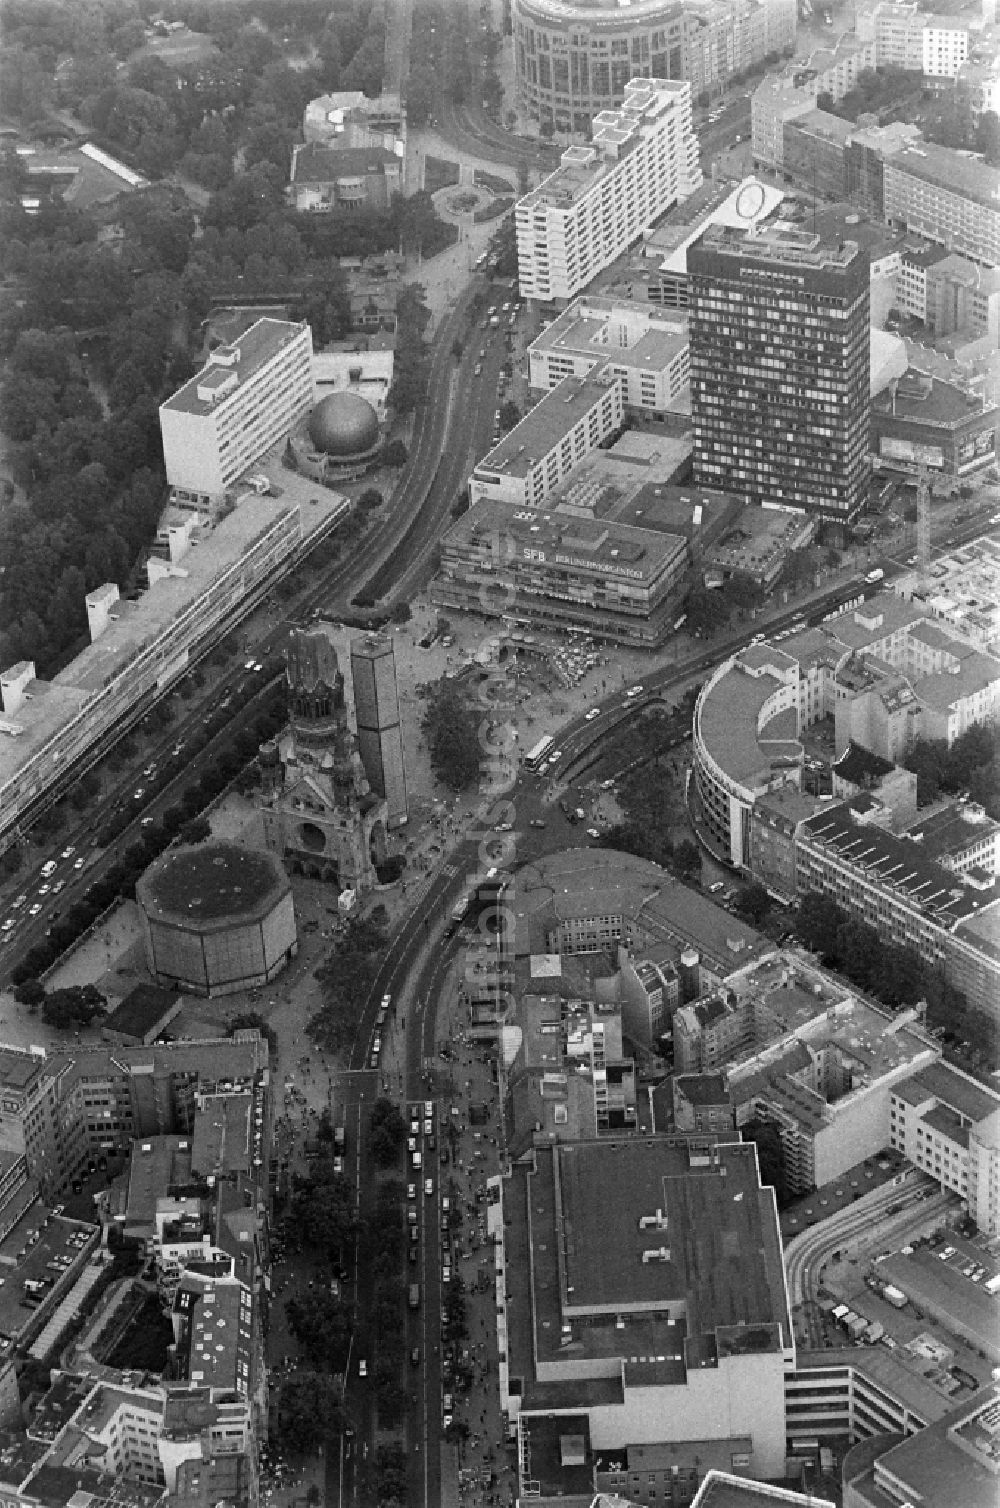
(779, 331)
(247, 398)
(642, 159)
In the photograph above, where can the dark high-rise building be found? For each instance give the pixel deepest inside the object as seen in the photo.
(780, 350)
(376, 707)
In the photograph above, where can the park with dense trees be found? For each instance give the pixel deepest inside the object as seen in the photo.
(101, 328)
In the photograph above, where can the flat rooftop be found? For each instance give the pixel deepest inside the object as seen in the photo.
(730, 716)
(668, 243)
(137, 626)
(211, 882)
(953, 1460)
(782, 243)
(950, 829)
(958, 172)
(927, 400)
(581, 882)
(712, 1252)
(542, 428)
(583, 330)
(606, 548)
(722, 1490)
(242, 360)
(973, 1101)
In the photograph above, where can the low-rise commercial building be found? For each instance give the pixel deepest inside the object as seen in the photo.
(349, 118)
(962, 591)
(141, 647)
(665, 1326)
(642, 159)
(919, 418)
(552, 569)
(344, 180)
(570, 1079)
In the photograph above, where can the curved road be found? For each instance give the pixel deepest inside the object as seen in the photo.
(808, 1252)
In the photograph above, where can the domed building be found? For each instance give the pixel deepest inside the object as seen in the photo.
(342, 438)
(217, 918)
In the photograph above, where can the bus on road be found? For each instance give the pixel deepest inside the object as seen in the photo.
(536, 757)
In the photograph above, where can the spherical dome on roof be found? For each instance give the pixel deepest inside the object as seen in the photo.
(343, 424)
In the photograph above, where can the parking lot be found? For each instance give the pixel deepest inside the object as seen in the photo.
(949, 1278)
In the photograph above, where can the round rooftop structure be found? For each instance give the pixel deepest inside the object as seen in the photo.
(217, 918)
(343, 425)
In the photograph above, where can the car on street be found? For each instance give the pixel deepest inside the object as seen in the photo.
(139, 794)
(536, 822)
(428, 1126)
(592, 832)
(594, 712)
(34, 910)
(362, 1368)
(68, 853)
(411, 1191)
(635, 691)
(79, 863)
(44, 889)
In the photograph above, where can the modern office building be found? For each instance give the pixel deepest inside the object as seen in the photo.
(779, 346)
(570, 421)
(947, 196)
(203, 580)
(248, 396)
(376, 713)
(573, 60)
(642, 158)
(646, 347)
(618, 580)
(909, 38)
(665, 1326)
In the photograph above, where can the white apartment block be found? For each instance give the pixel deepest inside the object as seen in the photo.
(248, 397)
(945, 46)
(946, 197)
(948, 1125)
(646, 347)
(774, 102)
(642, 160)
(552, 438)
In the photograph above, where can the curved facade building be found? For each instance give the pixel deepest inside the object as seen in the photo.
(745, 743)
(573, 60)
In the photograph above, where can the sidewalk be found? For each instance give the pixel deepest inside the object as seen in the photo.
(468, 1082)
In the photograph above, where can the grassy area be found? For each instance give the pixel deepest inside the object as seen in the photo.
(143, 1347)
(439, 173)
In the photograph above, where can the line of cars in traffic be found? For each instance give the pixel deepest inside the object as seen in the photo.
(23, 906)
